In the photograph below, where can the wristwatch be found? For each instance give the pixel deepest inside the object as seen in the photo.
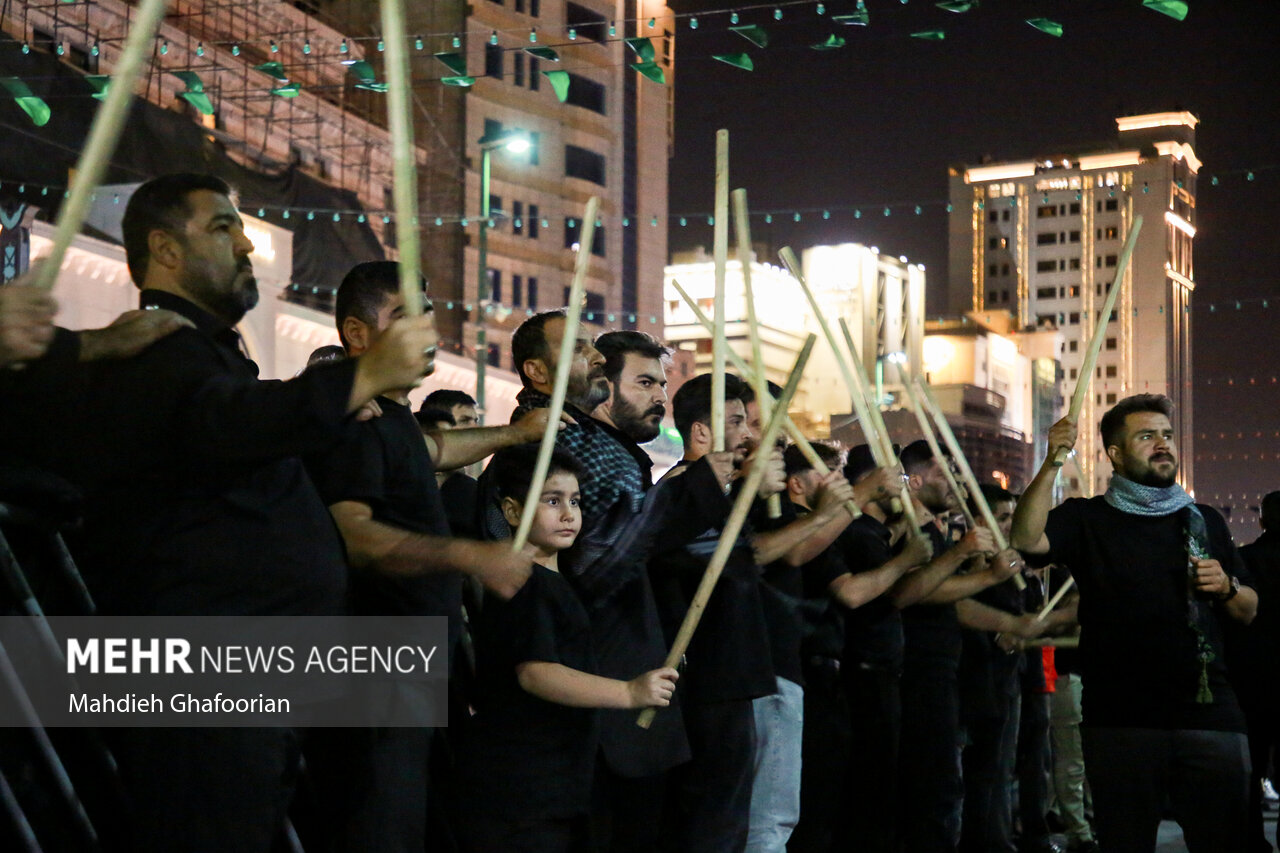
(1235, 588)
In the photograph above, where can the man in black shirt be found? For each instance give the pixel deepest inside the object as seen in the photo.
(1158, 578)
(452, 409)
(380, 486)
(197, 502)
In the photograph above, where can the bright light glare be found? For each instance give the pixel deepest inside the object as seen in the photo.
(518, 145)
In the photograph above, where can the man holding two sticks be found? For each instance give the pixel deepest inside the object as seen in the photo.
(1159, 577)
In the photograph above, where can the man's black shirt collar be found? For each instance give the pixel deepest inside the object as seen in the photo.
(206, 323)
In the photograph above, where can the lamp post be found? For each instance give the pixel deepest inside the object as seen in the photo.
(516, 142)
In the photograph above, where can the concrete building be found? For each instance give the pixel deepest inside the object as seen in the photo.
(1040, 238)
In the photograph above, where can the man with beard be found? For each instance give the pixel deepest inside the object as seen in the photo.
(624, 383)
(1158, 577)
(196, 502)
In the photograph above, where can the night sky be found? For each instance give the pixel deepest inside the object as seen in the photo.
(879, 121)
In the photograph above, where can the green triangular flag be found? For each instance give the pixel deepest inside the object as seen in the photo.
(930, 35)
(737, 60)
(957, 5)
(100, 84)
(543, 53)
(833, 42)
(859, 19)
(37, 109)
(1176, 9)
(362, 71)
(290, 91)
(756, 35)
(199, 100)
(653, 71)
(275, 69)
(456, 62)
(643, 48)
(460, 81)
(191, 78)
(1045, 25)
(559, 82)
(371, 87)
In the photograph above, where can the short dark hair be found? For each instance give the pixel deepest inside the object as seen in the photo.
(797, 463)
(615, 346)
(446, 398)
(512, 469)
(692, 403)
(916, 456)
(1271, 511)
(859, 462)
(429, 418)
(1112, 425)
(326, 353)
(530, 341)
(363, 292)
(994, 495)
(161, 204)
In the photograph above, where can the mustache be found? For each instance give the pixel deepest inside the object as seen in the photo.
(659, 410)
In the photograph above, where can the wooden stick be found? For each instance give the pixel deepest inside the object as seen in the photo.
(1072, 642)
(733, 526)
(857, 393)
(568, 342)
(1100, 332)
(103, 137)
(404, 154)
(966, 473)
(1057, 596)
(956, 489)
(789, 425)
(757, 376)
(721, 254)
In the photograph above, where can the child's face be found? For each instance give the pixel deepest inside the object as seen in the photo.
(557, 519)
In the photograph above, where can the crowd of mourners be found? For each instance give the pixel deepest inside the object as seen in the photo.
(856, 682)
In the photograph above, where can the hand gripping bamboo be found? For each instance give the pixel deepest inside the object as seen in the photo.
(733, 526)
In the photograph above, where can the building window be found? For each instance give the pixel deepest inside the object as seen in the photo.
(1004, 296)
(1111, 343)
(519, 6)
(571, 237)
(495, 206)
(993, 297)
(1046, 211)
(531, 290)
(1046, 238)
(535, 73)
(586, 93)
(495, 355)
(493, 60)
(1073, 237)
(495, 284)
(1073, 346)
(534, 224)
(517, 217)
(1074, 373)
(1111, 260)
(594, 304)
(1074, 318)
(1074, 264)
(1111, 399)
(1111, 204)
(589, 24)
(1046, 293)
(993, 243)
(1074, 290)
(535, 8)
(518, 66)
(517, 285)
(993, 269)
(1110, 232)
(584, 164)
(1075, 207)
(1004, 215)
(993, 216)
(1111, 371)
(1046, 266)
(1004, 269)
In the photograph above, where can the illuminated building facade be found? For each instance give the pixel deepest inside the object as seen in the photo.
(1040, 238)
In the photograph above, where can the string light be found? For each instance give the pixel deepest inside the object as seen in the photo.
(457, 42)
(235, 50)
(533, 35)
(164, 48)
(95, 50)
(199, 49)
(573, 34)
(733, 17)
(493, 37)
(693, 23)
(417, 43)
(777, 14)
(342, 48)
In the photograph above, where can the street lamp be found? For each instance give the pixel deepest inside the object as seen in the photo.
(517, 142)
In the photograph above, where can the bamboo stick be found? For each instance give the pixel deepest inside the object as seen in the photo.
(789, 425)
(857, 393)
(733, 526)
(1057, 596)
(956, 489)
(720, 251)
(757, 376)
(966, 473)
(1085, 377)
(564, 364)
(404, 154)
(104, 134)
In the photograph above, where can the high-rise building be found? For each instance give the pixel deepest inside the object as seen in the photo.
(1041, 238)
(610, 137)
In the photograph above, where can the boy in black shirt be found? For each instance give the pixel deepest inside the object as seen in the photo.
(530, 748)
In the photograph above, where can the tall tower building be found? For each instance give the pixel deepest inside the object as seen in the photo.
(1041, 238)
(611, 137)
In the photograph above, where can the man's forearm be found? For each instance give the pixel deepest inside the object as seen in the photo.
(800, 541)
(1243, 606)
(456, 448)
(853, 591)
(984, 617)
(918, 585)
(1032, 512)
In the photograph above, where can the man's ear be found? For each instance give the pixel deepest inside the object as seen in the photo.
(795, 488)
(511, 511)
(537, 371)
(1114, 454)
(355, 333)
(915, 482)
(164, 249)
(700, 434)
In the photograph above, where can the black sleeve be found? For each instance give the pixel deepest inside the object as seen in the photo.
(1064, 530)
(217, 410)
(529, 630)
(48, 375)
(352, 470)
(862, 550)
